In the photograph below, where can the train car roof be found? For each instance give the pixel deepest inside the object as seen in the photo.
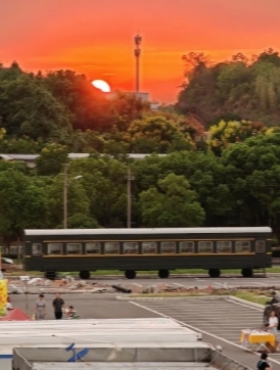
(160, 231)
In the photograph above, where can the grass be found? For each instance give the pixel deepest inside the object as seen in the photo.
(243, 294)
(252, 297)
(121, 273)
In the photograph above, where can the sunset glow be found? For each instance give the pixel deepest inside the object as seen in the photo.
(101, 85)
(96, 38)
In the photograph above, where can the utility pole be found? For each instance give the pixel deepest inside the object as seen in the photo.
(129, 178)
(137, 53)
(65, 195)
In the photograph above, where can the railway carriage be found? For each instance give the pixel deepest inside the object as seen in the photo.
(163, 249)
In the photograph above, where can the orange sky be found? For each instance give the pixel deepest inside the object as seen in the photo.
(96, 36)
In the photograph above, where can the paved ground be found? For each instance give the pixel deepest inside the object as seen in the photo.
(201, 282)
(88, 306)
(219, 320)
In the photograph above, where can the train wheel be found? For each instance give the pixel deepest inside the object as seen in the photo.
(214, 273)
(130, 274)
(85, 275)
(50, 275)
(163, 274)
(247, 273)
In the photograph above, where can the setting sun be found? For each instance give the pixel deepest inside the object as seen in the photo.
(101, 85)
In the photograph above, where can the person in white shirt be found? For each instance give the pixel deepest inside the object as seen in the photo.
(273, 323)
(9, 305)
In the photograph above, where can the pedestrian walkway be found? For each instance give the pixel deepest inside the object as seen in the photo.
(220, 318)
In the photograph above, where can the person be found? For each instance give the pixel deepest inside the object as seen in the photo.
(273, 323)
(275, 298)
(9, 305)
(263, 363)
(40, 308)
(58, 304)
(71, 312)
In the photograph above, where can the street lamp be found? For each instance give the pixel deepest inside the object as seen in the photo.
(65, 194)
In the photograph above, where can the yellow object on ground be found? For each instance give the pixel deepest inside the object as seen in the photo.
(3, 297)
(257, 337)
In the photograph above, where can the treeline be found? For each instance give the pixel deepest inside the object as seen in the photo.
(242, 88)
(221, 140)
(64, 108)
(241, 186)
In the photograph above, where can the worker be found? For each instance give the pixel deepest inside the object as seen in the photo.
(71, 312)
(263, 364)
(275, 298)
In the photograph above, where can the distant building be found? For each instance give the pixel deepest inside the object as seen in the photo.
(30, 159)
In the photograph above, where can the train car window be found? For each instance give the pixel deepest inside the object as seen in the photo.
(37, 249)
(111, 248)
(149, 247)
(260, 246)
(224, 246)
(74, 248)
(186, 247)
(243, 246)
(130, 248)
(168, 247)
(54, 248)
(93, 248)
(205, 247)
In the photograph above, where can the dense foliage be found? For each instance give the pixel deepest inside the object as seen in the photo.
(225, 174)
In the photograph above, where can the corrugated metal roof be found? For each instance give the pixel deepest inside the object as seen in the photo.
(166, 231)
(32, 157)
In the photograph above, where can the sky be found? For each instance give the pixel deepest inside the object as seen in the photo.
(96, 37)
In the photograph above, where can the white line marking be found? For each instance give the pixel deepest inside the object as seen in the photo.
(244, 305)
(259, 283)
(199, 330)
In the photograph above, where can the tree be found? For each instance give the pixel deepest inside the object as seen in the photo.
(51, 159)
(252, 170)
(154, 133)
(78, 204)
(239, 88)
(104, 183)
(225, 133)
(173, 204)
(23, 202)
(27, 108)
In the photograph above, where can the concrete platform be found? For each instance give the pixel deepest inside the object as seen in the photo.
(93, 332)
(123, 366)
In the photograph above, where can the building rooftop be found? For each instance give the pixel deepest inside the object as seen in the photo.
(123, 366)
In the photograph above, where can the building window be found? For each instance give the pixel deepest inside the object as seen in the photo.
(74, 248)
(243, 246)
(93, 248)
(224, 246)
(37, 249)
(260, 246)
(205, 247)
(54, 248)
(149, 248)
(186, 247)
(168, 247)
(130, 248)
(112, 248)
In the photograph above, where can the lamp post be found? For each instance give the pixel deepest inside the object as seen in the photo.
(129, 178)
(65, 194)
